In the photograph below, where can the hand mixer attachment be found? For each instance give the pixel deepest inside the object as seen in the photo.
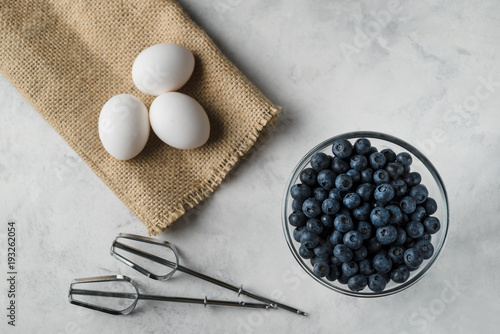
(118, 295)
(174, 266)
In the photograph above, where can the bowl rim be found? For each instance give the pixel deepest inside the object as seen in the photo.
(379, 136)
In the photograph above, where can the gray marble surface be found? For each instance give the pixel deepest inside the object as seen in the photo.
(425, 71)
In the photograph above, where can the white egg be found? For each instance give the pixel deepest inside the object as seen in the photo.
(124, 126)
(179, 120)
(162, 68)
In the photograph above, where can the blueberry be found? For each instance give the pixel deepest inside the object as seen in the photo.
(382, 263)
(383, 193)
(330, 206)
(381, 176)
(300, 192)
(335, 261)
(343, 279)
(326, 178)
(400, 187)
(321, 268)
(359, 162)
(412, 179)
(419, 193)
(315, 260)
(297, 205)
(353, 239)
(414, 229)
(309, 239)
(314, 225)
(400, 274)
(430, 206)
(365, 228)
(343, 223)
(305, 252)
(372, 245)
(340, 166)
(432, 225)
(395, 169)
(343, 182)
(355, 176)
(373, 149)
(377, 160)
(396, 254)
(367, 175)
(362, 212)
(311, 208)
(320, 161)
(426, 237)
(297, 219)
(386, 235)
(410, 242)
(323, 251)
(425, 248)
(336, 238)
(377, 282)
(408, 204)
(333, 273)
(343, 253)
(404, 159)
(360, 254)
(401, 238)
(309, 177)
(396, 214)
(389, 155)
(362, 146)
(342, 148)
(413, 258)
(350, 268)
(365, 191)
(380, 216)
(419, 214)
(365, 267)
(336, 194)
(297, 232)
(327, 222)
(357, 282)
(352, 201)
(320, 194)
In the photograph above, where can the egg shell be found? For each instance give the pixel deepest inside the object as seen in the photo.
(179, 120)
(162, 68)
(124, 126)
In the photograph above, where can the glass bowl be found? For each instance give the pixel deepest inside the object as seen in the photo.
(430, 178)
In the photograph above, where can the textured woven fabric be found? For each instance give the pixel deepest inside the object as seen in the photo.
(67, 58)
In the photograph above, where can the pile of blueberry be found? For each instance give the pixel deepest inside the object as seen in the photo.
(362, 217)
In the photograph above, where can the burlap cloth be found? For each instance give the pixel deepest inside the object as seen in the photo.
(67, 58)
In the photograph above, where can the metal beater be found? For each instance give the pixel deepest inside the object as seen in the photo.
(174, 266)
(135, 296)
